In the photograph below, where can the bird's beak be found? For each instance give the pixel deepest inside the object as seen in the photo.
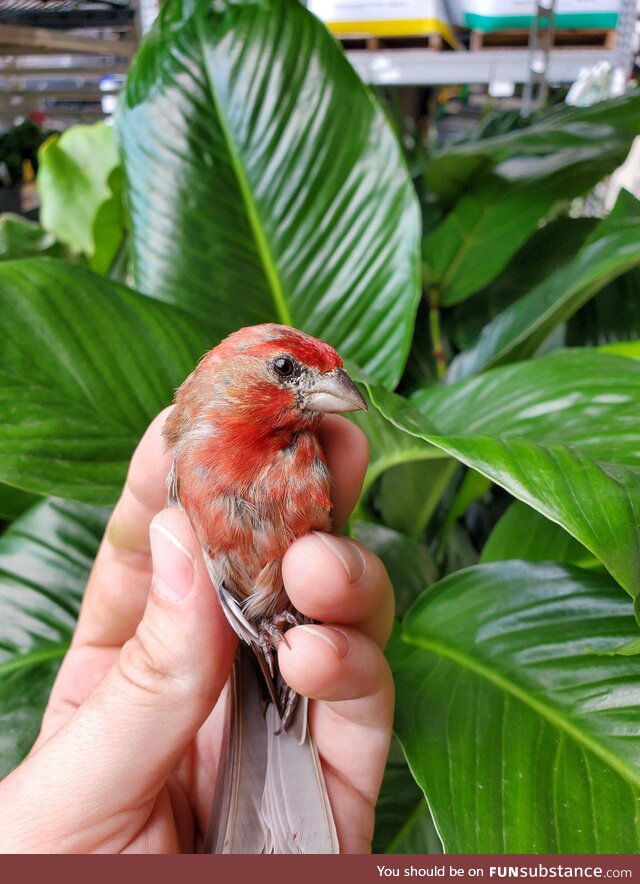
(333, 392)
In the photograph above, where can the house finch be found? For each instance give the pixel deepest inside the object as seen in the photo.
(250, 473)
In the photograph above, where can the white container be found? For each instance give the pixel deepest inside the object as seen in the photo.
(501, 15)
(395, 18)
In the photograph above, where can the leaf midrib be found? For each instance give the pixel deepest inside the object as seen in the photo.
(547, 712)
(270, 270)
(33, 658)
(467, 235)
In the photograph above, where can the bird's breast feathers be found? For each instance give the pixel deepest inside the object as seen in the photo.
(246, 514)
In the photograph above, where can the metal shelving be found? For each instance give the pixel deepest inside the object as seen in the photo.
(59, 58)
(420, 67)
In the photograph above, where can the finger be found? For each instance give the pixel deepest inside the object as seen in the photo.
(82, 669)
(338, 580)
(347, 452)
(352, 726)
(117, 750)
(119, 584)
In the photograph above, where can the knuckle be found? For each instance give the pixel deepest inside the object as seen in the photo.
(145, 667)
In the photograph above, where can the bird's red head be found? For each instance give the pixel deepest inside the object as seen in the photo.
(262, 380)
(268, 341)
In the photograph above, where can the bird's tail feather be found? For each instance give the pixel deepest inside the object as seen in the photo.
(295, 801)
(236, 824)
(271, 795)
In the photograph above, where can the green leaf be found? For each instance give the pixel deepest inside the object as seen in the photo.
(409, 493)
(518, 331)
(403, 821)
(20, 238)
(265, 183)
(408, 562)
(628, 349)
(13, 502)
(45, 560)
(485, 229)
(388, 445)
(80, 186)
(84, 366)
(550, 247)
(473, 487)
(522, 533)
(560, 433)
(523, 739)
(612, 315)
(573, 140)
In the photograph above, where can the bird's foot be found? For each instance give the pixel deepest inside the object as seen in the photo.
(288, 703)
(270, 634)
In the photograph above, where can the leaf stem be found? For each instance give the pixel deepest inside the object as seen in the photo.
(433, 296)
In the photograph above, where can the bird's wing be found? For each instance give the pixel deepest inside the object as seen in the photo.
(233, 611)
(243, 627)
(173, 497)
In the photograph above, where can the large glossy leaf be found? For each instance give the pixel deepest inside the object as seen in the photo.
(522, 533)
(265, 183)
(20, 238)
(560, 433)
(554, 245)
(45, 560)
(487, 227)
(84, 365)
(523, 739)
(612, 248)
(572, 140)
(80, 187)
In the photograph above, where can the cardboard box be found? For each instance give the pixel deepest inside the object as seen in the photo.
(395, 18)
(501, 15)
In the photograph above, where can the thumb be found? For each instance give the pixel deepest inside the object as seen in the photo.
(117, 750)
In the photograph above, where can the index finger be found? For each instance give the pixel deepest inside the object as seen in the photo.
(119, 584)
(347, 452)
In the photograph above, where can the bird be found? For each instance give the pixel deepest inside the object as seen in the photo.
(249, 471)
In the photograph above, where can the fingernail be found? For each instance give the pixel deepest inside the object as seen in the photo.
(333, 636)
(349, 554)
(173, 565)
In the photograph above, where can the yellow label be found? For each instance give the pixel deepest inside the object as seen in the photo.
(408, 27)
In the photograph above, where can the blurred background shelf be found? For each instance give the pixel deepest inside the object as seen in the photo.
(63, 61)
(419, 67)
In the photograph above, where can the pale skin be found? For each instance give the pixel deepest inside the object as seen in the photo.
(126, 758)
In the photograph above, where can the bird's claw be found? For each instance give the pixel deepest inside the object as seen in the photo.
(270, 634)
(289, 701)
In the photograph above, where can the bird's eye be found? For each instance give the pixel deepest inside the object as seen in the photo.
(284, 366)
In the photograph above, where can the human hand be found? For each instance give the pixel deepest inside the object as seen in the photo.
(127, 755)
